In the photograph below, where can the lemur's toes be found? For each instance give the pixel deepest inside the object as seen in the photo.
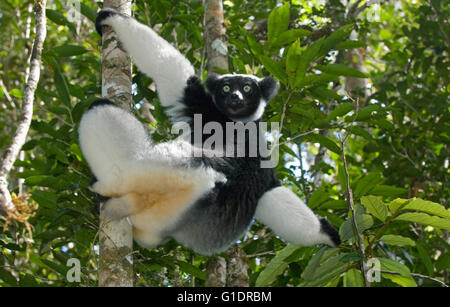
(98, 199)
(102, 15)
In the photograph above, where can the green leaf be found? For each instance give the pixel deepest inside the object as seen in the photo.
(313, 79)
(292, 58)
(350, 44)
(334, 204)
(327, 271)
(276, 266)
(375, 206)
(342, 177)
(191, 270)
(428, 207)
(357, 130)
(322, 255)
(397, 240)
(306, 58)
(443, 263)
(8, 278)
(62, 87)
(367, 183)
(45, 198)
(67, 50)
(88, 12)
(340, 110)
(278, 22)
(341, 70)
(317, 197)
(332, 41)
(274, 68)
(353, 278)
(426, 259)
(325, 141)
(16, 93)
(363, 222)
(396, 204)
(289, 36)
(58, 18)
(387, 191)
(404, 279)
(424, 219)
(364, 114)
(46, 181)
(56, 267)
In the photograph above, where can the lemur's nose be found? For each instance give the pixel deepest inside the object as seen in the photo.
(236, 96)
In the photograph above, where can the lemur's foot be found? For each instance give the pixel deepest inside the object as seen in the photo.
(326, 227)
(98, 199)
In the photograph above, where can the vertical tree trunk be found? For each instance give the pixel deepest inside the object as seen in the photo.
(215, 38)
(216, 272)
(216, 267)
(115, 237)
(237, 268)
(219, 272)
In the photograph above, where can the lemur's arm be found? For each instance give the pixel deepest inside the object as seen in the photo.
(153, 55)
(290, 218)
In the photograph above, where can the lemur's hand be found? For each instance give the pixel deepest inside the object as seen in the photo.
(102, 16)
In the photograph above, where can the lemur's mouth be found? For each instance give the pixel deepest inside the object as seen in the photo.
(236, 104)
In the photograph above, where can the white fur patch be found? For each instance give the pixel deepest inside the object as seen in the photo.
(109, 138)
(290, 218)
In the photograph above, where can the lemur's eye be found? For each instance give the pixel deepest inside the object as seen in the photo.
(247, 88)
(226, 88)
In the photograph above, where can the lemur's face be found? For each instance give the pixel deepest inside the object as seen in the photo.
(241, 97)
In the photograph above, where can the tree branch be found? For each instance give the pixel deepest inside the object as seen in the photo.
(31, 82)
(351, 205)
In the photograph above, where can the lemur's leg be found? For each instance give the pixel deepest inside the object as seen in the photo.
(111, 139)
(153, 55)
(292, 220)
(119, 152)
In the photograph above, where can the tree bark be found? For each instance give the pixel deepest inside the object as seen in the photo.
(220, 272)
(215, 37)
(31, 83)
(216, 272)
(115, 237)
(237, 268)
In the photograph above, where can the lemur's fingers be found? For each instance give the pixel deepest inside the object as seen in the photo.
(102, 16)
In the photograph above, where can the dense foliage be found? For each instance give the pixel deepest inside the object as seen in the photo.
(394, 133)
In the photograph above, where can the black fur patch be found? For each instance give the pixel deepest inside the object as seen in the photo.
(326, 227)
(98, 199)
(269, 87)
(102, 15)
(101, 102)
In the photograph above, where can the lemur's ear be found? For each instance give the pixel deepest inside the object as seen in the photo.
(269, 87)
(211, 82)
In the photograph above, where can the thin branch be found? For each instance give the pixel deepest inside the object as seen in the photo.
(350, 202)
(19, 138)
(443, 284)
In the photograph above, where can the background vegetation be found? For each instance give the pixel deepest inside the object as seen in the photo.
(368, 80)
